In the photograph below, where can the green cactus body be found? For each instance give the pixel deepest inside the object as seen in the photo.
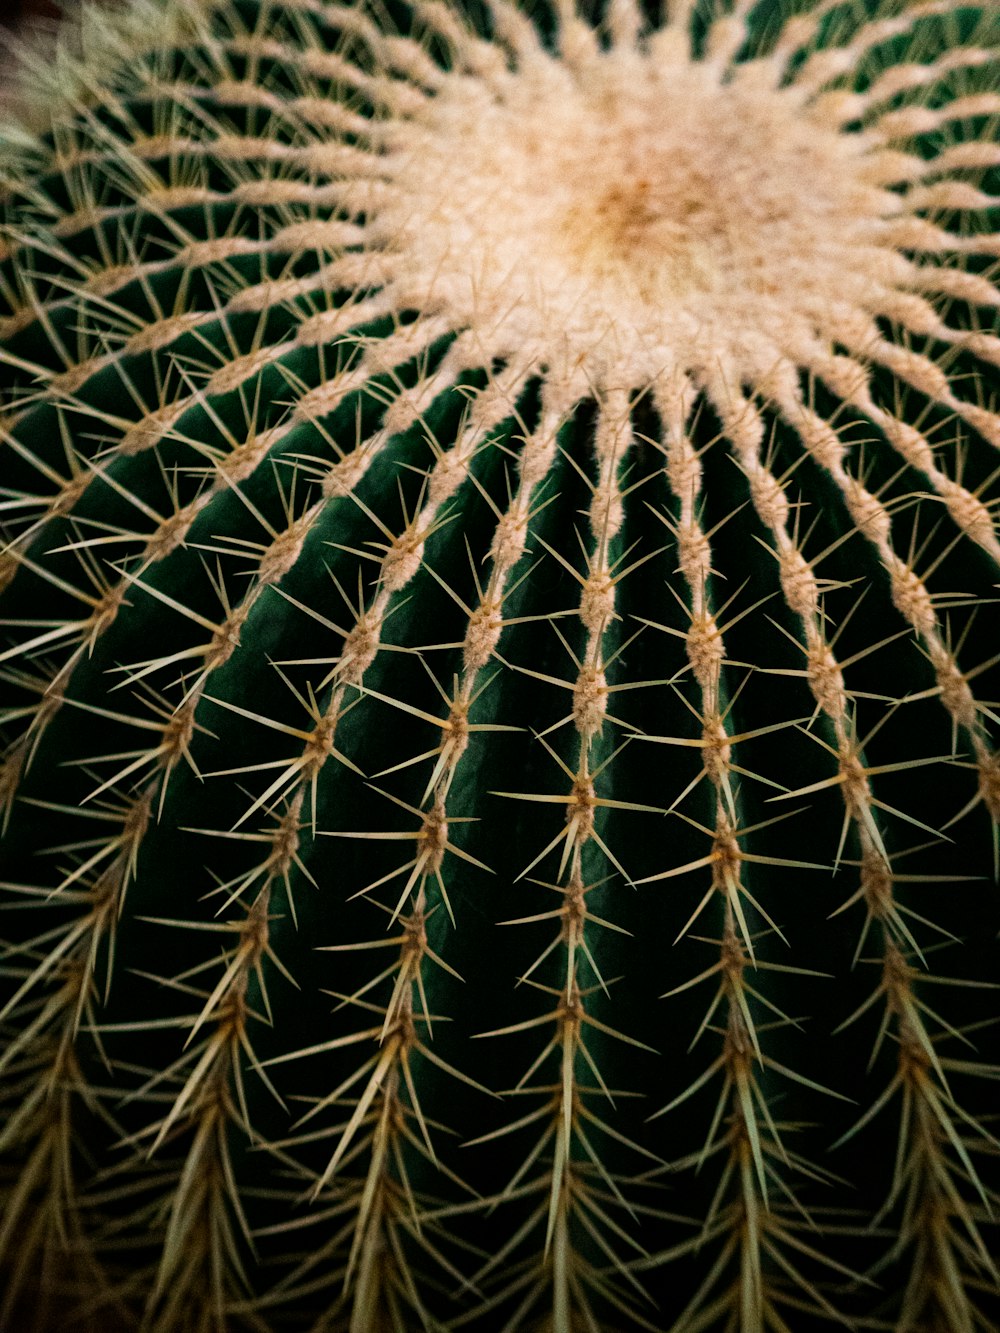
(498, 645)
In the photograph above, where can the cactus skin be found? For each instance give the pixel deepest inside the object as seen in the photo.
(498, 649)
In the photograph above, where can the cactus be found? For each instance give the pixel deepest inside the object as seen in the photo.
(498, 652)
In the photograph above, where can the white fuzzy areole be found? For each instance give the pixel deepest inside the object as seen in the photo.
(637, 218)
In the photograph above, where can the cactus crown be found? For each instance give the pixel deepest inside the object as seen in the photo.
(498, 654)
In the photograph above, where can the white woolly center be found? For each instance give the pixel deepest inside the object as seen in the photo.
(645, 217)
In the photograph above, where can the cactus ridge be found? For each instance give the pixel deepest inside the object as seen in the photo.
(498, 668)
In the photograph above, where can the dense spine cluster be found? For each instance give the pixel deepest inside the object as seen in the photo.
(498, 669)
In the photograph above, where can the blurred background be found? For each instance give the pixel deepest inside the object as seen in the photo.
(38, 19)
(15, 13)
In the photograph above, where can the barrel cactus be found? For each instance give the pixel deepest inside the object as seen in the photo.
(498, 651)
